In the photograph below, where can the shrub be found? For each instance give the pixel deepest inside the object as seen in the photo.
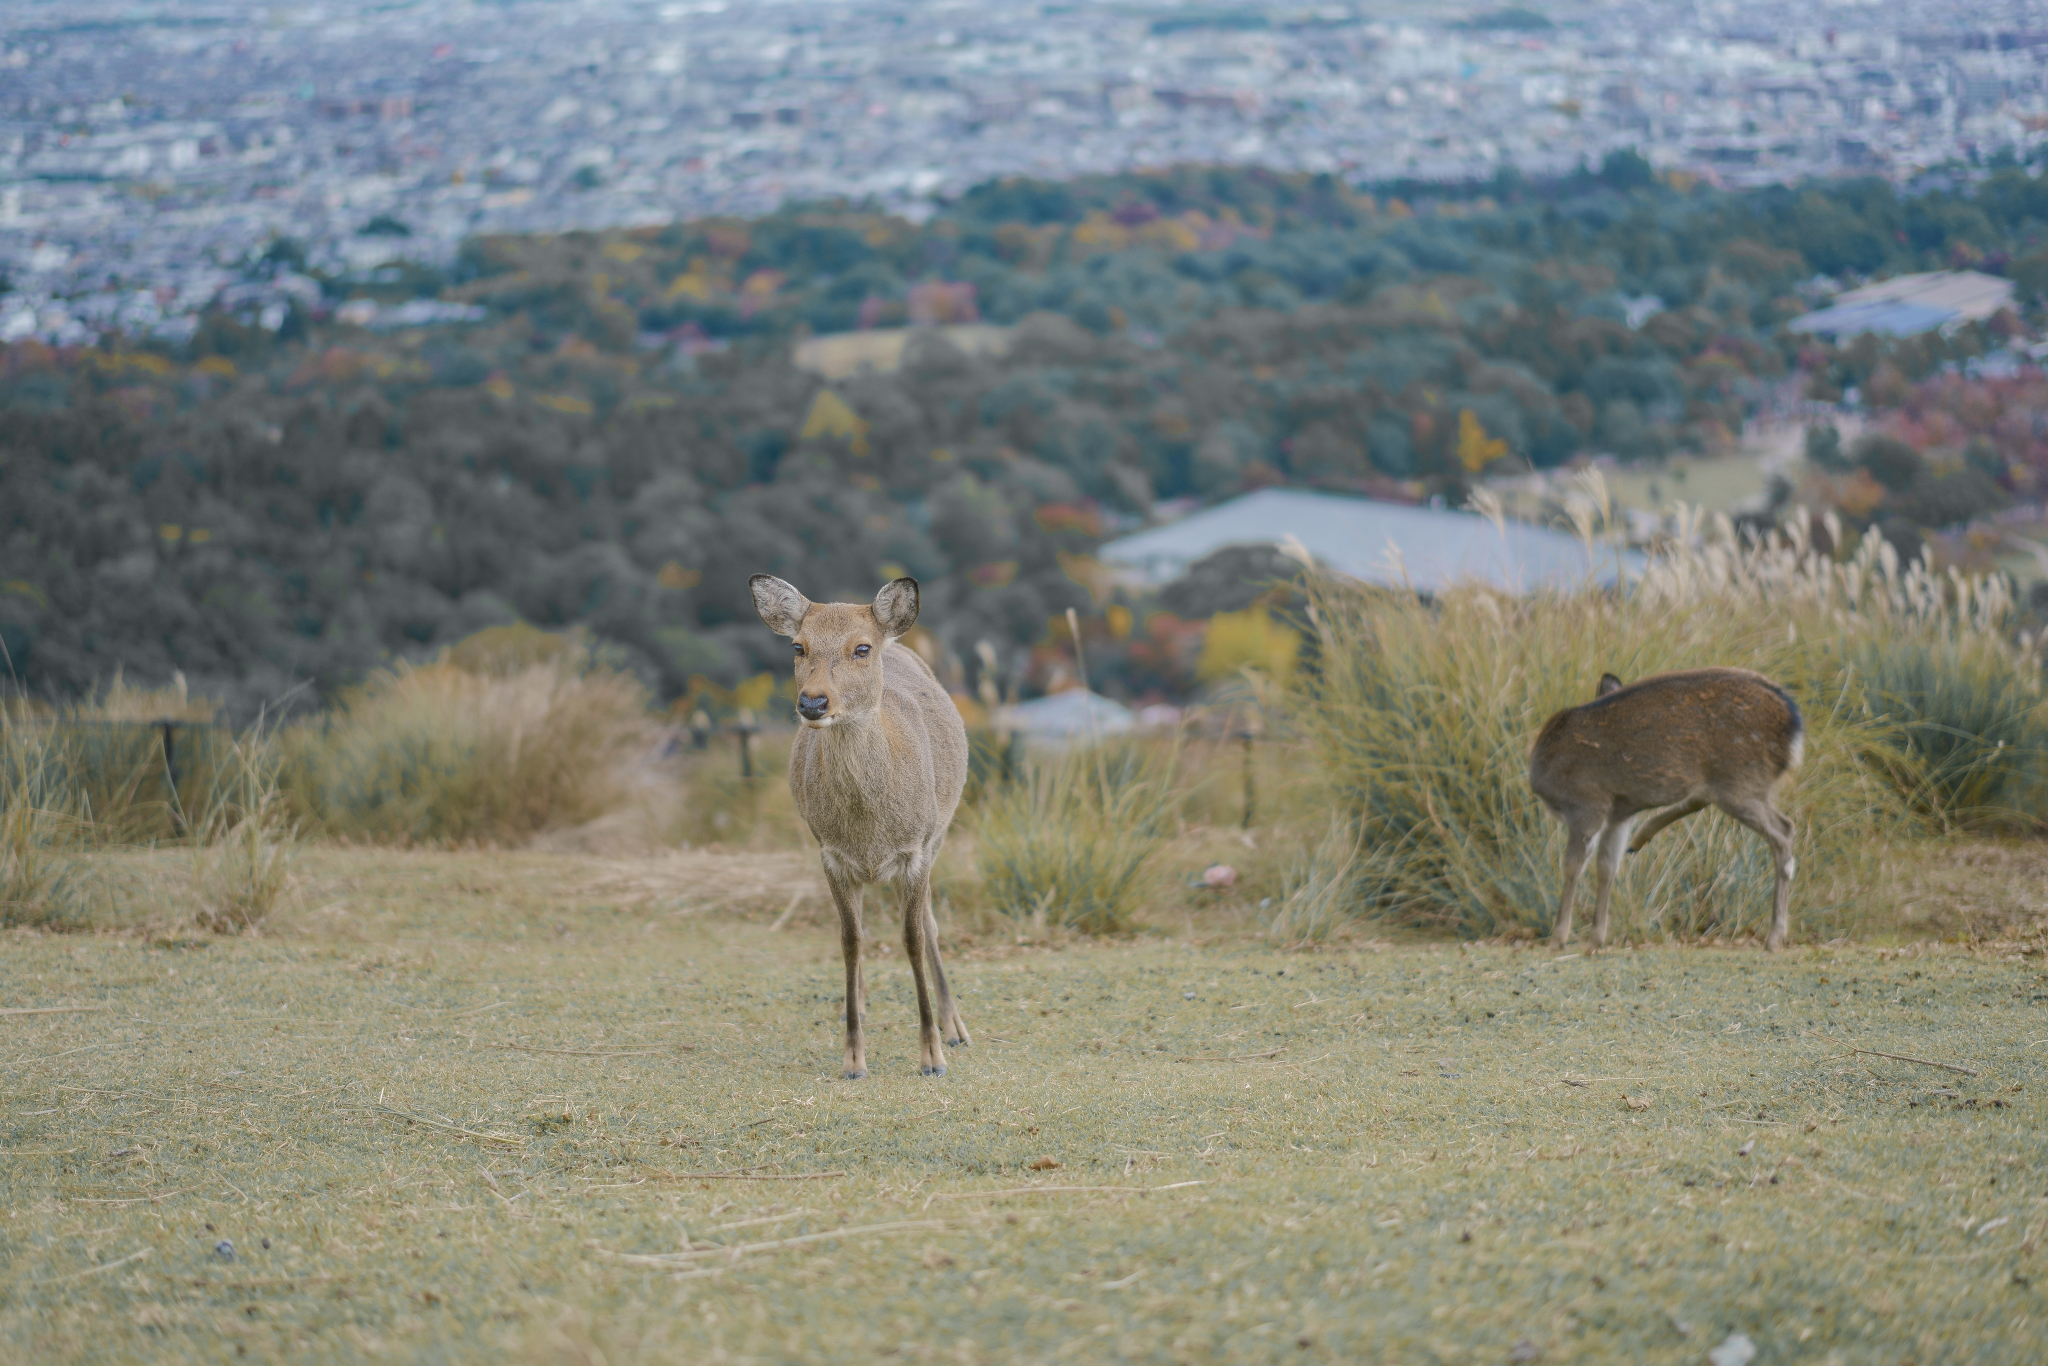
(1067, 843)
(1973, 720)
(442, 755)
(1423, 713)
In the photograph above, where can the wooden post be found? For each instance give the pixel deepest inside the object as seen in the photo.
(745, 729)
(1248, 734)
(167, 729)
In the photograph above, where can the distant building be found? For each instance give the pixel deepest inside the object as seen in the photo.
(1907, 305)
(1427, 549)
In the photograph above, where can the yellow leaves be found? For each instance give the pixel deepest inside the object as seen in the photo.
(624, 251)
(1477, 450)
(830, 417)
(692, 283)
(170, 533)
(677, 577)
(1250, 639)
(1090, 573)
(216, 365)
(754, 694)
(565, 403)
(22, 588)
(1121, 619)
(500, 388)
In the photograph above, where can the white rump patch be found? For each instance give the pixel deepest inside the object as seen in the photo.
(1798, 750)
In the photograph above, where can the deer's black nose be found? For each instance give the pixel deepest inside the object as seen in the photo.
(810, 707)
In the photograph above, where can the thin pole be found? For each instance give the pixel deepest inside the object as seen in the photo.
(1247, 735)
(746, 730)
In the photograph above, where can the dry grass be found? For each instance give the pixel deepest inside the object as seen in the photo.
(443, 755)
(546, 1108)
(1422, 715)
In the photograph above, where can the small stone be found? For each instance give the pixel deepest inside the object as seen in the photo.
(1735, 1350)
(225, 1250)
(1219, 876)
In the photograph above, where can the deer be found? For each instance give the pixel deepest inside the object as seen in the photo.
(1680, 741)
(877, 769)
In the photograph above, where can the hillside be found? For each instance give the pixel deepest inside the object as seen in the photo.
(609, 431)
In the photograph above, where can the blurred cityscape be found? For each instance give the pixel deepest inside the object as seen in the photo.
(149, 153)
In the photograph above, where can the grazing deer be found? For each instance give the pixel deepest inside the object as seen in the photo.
(1683, 741)
(877, 770)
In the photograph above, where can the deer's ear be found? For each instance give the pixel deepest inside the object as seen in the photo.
(781, 607)
(1608, 683)
(896, 606)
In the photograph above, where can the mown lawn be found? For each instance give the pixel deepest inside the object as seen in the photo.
(1413, 1153)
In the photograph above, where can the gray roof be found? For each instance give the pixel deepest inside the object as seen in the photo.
(1428, 549)
(1068, 716)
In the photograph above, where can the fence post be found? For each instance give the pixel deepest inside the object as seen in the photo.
(1248, 734)
(745, 729)
(170, 747)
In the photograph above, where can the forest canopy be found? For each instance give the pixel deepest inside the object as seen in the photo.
(625, 434)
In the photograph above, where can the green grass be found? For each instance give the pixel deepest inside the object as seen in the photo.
(1369, 1153)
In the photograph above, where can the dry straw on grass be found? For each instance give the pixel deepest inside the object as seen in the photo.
(1424, 711)
(442, 754)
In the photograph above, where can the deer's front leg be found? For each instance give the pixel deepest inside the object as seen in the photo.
(847, 899)
(931, 1053)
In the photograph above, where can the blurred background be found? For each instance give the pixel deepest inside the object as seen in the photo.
(334, 334)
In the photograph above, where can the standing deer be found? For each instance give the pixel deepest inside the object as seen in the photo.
(877, 770)
(1684, 741)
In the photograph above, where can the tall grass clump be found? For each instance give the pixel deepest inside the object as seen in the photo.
(244, 844)
(44, 880)
(1068, 842)
(493, 753)
(1424, 711)
(1974, 726)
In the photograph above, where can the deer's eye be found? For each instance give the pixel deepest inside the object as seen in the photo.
(799, 650)
(860, 652)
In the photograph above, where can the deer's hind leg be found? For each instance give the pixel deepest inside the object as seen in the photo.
(1582, 825)
(846, 897)
(920, 950)
(1776, 828)
(950, 1022)
(1613, 844)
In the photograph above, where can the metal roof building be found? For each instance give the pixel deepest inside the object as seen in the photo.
(1427, 549)
(1907, 305)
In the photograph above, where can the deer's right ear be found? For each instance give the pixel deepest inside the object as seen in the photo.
(1608, 683)
(781, 607)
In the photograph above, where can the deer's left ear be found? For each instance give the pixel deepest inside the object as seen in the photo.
(896, 606)
(1608, 683)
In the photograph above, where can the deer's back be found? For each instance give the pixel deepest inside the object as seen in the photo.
(1669, 738)
(874, 791)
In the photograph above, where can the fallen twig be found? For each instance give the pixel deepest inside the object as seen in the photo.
(747, 1176)
(1924, 1062)
(690, 1257)
(1060, 1190)
(50, 1010)
(588, 1051)
(135, 1200)
(509, 1140)
(134, 1256)
(1232, 1057)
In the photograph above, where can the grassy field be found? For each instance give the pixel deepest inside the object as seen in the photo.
(460, 1107)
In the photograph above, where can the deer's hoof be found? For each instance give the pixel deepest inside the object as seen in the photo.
(938, 1071)
(958, 1043)
(855, 1073)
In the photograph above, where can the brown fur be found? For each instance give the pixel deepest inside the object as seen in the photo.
(1684, 741)
(877, 769)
